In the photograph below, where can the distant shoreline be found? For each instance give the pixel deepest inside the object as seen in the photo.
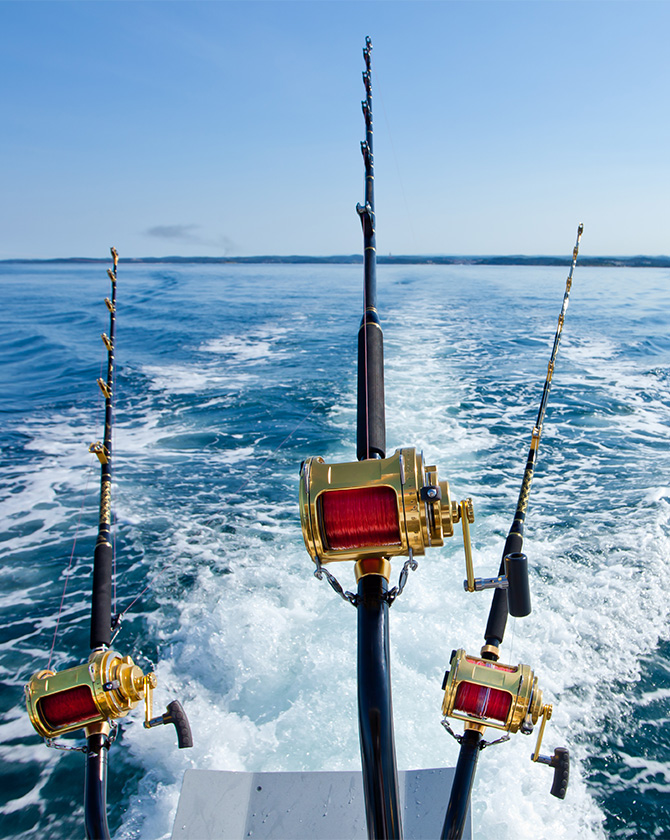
(355, 259)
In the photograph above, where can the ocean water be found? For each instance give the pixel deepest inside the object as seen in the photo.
(228, 377)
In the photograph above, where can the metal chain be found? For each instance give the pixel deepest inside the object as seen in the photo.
(492, 743)
(320, 571)
(482, 744)
(410, 565)
(352, 598)
(112, 735)
(67, 748)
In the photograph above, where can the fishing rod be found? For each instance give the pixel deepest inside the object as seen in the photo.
(93, 695)
(481, 691)
(375, 708)
(371, 420)
(370, 511)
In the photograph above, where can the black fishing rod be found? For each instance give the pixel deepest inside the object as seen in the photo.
(370, 511)
(375, 709)
(97, 736)
(513, 550)
(479, 691)
(93, 695)
(371, 420)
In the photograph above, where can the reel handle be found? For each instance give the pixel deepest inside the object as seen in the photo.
(560, 761)
(561, 764)
(515, 579)
(176, 715)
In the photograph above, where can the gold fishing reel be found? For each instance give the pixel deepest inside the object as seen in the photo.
(92, 695)
(484, 692)
(377, 508)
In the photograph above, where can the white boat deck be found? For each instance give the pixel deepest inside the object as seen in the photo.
(224, 805)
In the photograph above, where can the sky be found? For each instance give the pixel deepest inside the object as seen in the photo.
(233, 128)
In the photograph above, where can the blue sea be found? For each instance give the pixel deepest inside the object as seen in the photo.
(228, 377)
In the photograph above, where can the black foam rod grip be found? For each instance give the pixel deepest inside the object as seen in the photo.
(175, 714)
(101, 603)
(561, 764)
(371, 417)
(518, 591)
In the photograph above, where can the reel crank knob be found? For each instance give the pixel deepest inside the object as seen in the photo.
(176, 715)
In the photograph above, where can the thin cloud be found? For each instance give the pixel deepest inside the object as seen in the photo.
(188, 233)
(174, 232)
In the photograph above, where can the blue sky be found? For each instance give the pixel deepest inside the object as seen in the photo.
(211, 128)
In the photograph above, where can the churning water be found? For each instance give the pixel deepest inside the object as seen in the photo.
(228, 377)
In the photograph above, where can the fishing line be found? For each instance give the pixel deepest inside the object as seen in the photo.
(208, 523)
(511, 650)
(290, 435)
(395, 159)
(69, 565)
(255, 469)
(116, 624)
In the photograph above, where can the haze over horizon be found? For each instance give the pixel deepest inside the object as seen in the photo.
(234, 128)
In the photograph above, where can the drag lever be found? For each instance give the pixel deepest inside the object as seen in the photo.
(175, 714)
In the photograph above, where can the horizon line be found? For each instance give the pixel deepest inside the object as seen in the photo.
(638, 260)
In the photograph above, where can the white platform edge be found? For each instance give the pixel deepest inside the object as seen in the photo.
(225, 805)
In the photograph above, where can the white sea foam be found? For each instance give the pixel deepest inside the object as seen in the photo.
(258, 345)
(191, 379)
(263, 655)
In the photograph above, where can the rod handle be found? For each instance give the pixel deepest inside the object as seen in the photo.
(518, 591)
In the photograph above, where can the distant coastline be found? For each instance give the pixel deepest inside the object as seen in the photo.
(354, 259)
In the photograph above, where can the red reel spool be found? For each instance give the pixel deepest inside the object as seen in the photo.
(363, 517)
(482, 701)
(75, 705)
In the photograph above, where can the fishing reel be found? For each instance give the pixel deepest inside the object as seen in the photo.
(371, 510)
(95, 693)
(484, 692)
